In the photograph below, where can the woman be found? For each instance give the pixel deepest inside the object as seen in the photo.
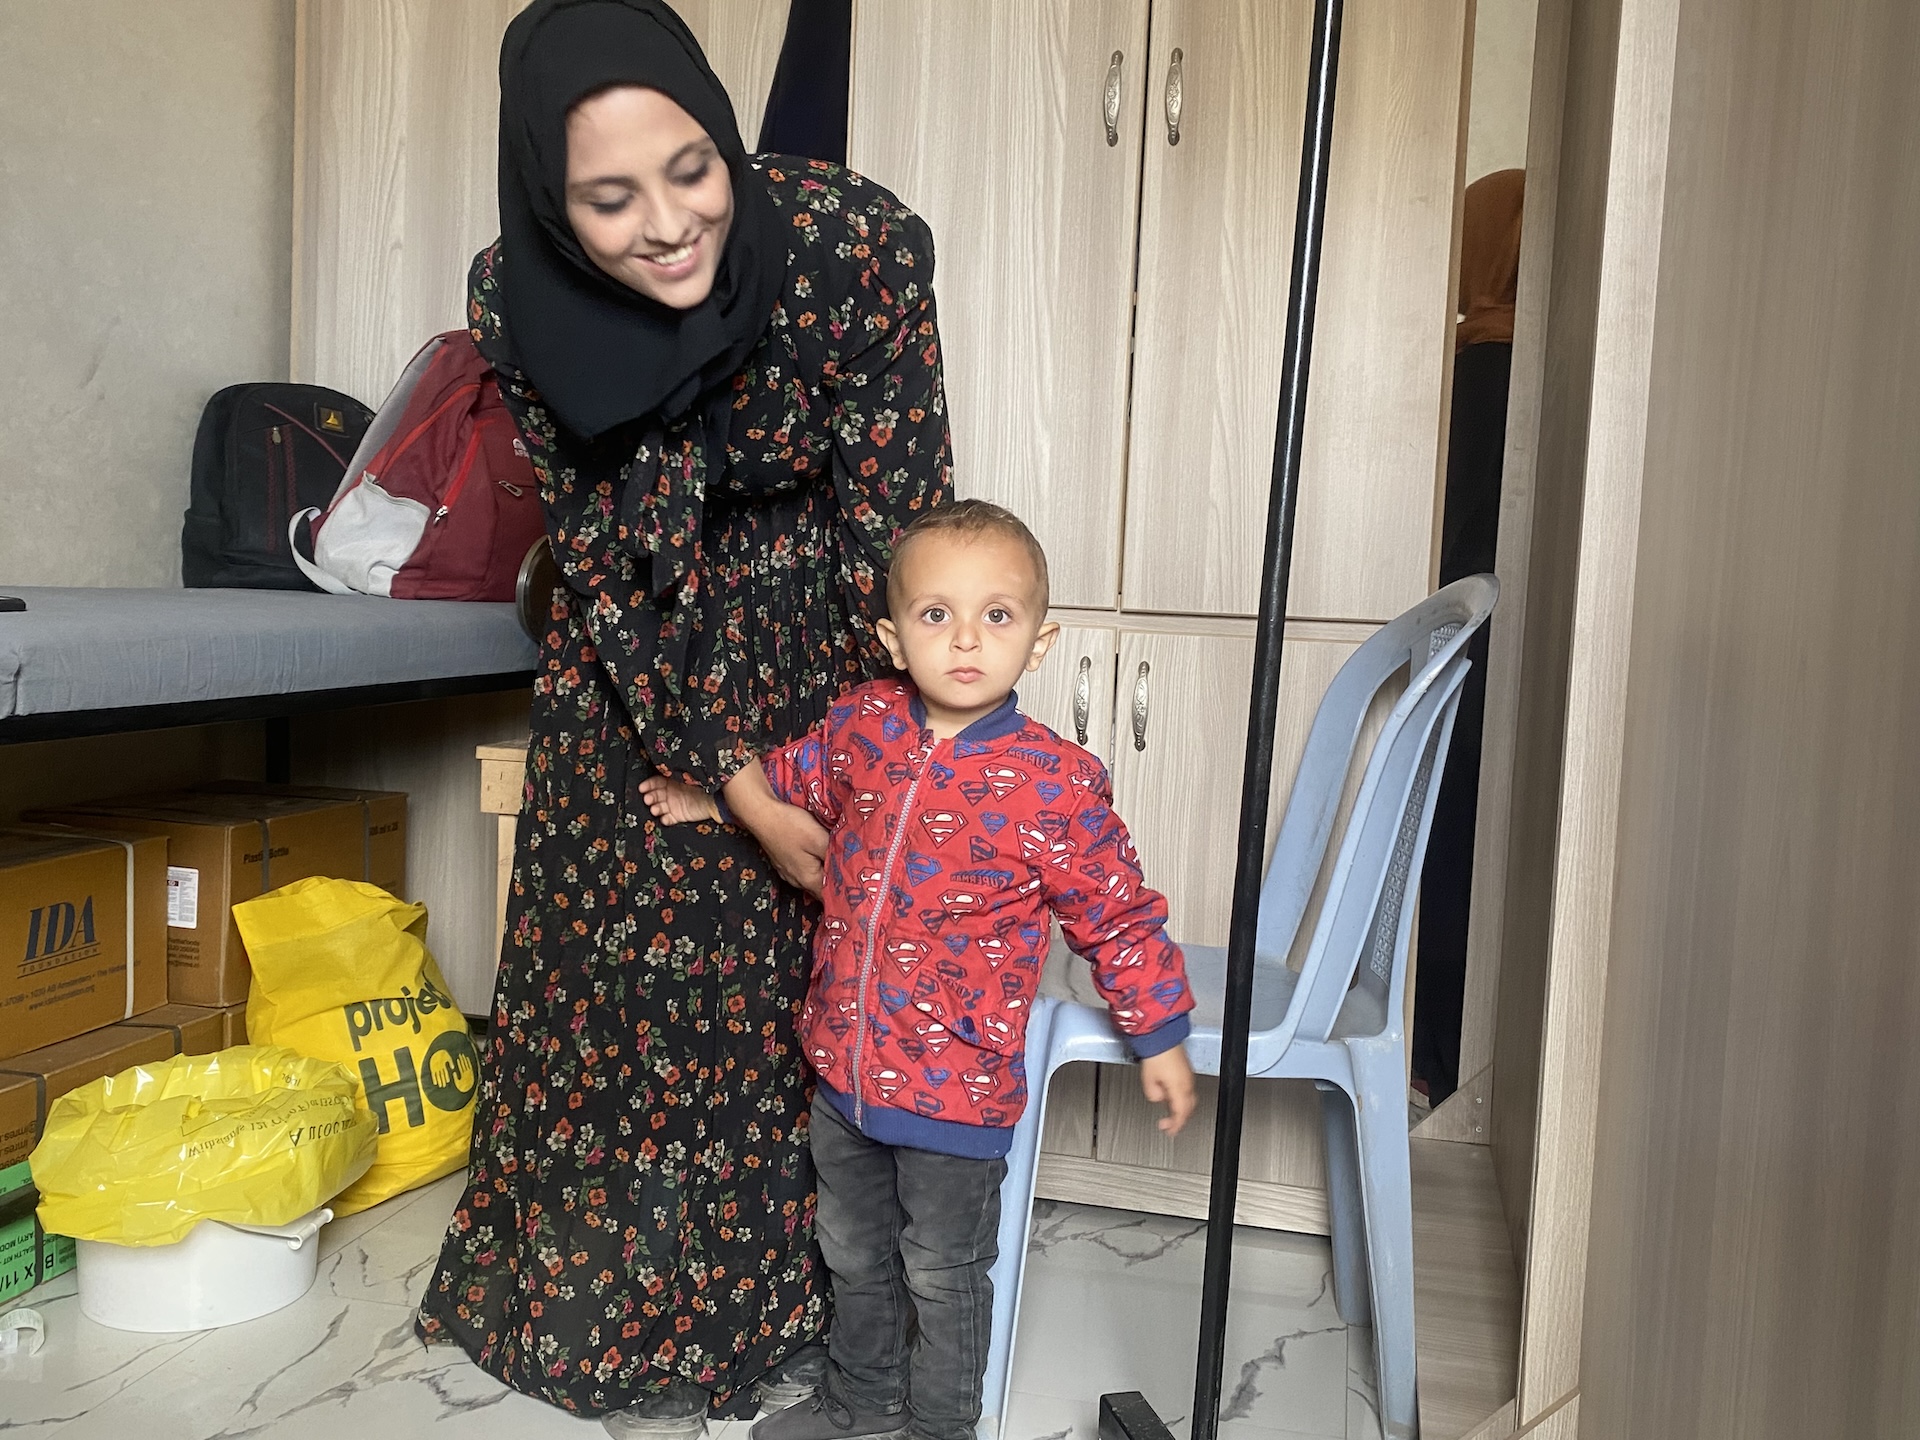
(728, 375)
(1469, 526)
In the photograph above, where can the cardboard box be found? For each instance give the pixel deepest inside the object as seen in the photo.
(19, 1129)
(195, 1030)
(19, 1233)
(383, 814)
(230, 844)
(233, 1026)
(29, 1083)
(83, 932)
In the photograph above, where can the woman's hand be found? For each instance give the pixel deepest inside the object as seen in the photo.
(795, 842)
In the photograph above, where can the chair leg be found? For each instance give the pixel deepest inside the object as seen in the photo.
(1016, 1216)
(1345, 1215)
(1386, 1182)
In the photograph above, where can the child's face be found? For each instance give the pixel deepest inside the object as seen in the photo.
(968, 623)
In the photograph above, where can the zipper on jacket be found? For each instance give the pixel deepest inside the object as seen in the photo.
(873, 933)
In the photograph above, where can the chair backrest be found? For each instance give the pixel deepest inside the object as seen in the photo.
(1365, 909)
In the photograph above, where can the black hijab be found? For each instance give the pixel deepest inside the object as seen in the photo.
(599, 353)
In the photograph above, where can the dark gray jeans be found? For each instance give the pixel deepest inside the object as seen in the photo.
(906, 1234)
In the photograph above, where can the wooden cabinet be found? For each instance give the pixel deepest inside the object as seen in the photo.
(1177, 779)
(1177, 766)
(1073, 691)
(1283, 1157)
(1179, 753)
(1111, 307)
(1165, 709)
(1216, 234)
(989, 118)
(1139, 443)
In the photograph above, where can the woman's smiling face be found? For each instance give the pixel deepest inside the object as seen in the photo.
(648, 194)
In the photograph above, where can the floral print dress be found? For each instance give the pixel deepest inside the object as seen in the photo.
(640, 1200)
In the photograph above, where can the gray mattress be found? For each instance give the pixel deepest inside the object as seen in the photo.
(92, 649)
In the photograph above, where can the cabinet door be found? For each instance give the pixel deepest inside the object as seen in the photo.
(1216, 238)
(1073, 691)
(1177, 776)
(989, 118)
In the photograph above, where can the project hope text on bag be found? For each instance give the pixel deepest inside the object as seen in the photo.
(447, 1072)
(341, 971)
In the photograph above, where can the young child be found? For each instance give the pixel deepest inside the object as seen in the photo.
(957, 825)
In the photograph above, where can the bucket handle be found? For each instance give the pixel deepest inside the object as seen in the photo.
(295, 1232)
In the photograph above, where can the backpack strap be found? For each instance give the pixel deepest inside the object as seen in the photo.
(312, 571)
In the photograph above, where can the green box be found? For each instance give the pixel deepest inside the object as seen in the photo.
(28, 1255)
(58, 1254)
(19, 1247)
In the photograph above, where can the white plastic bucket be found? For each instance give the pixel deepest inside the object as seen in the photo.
(219, 1275)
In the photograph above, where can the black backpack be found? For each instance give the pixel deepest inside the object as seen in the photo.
(263, 454)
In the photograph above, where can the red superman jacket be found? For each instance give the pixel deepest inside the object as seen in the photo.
(945, 859)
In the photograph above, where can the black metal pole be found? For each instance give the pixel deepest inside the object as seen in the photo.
(1309, 220)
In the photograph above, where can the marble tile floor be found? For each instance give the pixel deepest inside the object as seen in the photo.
(1112, 1304)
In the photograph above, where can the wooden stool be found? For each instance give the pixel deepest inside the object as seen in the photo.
(503, 768)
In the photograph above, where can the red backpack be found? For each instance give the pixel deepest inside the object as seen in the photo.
(439, 501)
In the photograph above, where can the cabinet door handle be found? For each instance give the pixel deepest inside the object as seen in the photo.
(1082, 699)
(1140, 709)
(1173, 100)
(1110, 101)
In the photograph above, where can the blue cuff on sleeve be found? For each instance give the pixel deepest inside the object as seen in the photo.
(1162, 1038)
(726, 815)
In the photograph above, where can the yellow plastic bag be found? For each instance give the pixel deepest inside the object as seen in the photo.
(341, 971)
(256, 1135)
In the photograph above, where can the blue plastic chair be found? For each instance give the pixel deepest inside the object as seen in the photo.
(1338, 1021)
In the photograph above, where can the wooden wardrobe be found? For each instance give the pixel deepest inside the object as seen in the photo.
(1111, 189)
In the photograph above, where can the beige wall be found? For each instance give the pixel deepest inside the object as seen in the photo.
(397, 143)
(146, 183)
(1502, 79)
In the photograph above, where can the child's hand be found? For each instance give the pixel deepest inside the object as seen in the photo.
(795, 842)
(1168, 1078)
(673, 802)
